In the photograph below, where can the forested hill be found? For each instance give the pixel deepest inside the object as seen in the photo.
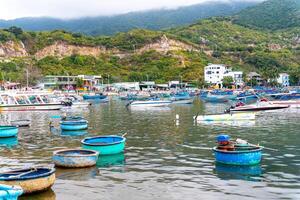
(153, 20)
(272, 14)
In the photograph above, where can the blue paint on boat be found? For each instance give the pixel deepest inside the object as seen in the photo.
(8, 192)
(94, 97)
(27, 174)
(75, 158)
(73, 124)
(242, 157)
(8, 131)
(106, 145)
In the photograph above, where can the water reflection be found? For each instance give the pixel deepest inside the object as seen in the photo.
(74, 133)
(8, 142)
(76, 174)
(238, 172)
(111, 160)
(46, 195)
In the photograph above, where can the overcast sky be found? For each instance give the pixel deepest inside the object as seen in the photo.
(10, 9)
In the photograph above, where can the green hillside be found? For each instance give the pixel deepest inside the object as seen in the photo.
(215, 40)
(272, 14)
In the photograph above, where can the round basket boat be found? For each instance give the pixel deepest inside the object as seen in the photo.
(106, 145)
(31, 180)
(241, 157)
(8, 131)
(74, 125)
(8, 192)
(73, 158)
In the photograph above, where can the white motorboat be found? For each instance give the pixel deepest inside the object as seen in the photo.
(226, 117)
(291, 103)
(150, 103)
(28, 102)
(262, 105)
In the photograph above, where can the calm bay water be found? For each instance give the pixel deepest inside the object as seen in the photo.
(164, 158)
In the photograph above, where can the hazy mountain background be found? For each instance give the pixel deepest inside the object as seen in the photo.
(153, 19)
(272, 14)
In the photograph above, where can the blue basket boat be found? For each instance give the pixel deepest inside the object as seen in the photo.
(74, 158)
(73, 124)
(8, 131)
(31, 180)
(106, 145)
(238, 157)
(8, 192)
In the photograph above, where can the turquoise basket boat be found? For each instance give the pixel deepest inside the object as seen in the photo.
(8, 192)
(105, 145)
(73, 124)
(242, 157)
(8, 131)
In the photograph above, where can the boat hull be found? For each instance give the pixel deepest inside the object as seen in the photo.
(70, 127)
(227, 117)
(30, 107)
(256, 109)
(108, 148)
(20, 123)
(8, 131)
(150, 103)
(186, 101)
(32, 184)
(73, 158)
(251, 157)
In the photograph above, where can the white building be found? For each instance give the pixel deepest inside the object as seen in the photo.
(237, 77)
(283, 79)
(214, 74)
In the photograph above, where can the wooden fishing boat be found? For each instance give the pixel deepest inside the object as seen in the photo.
(8, 192)
(21, 122)
(73, 158)
(73, 124)
(31, 180)
(237, 153)
(8, 131)
(226, 117)
(106, 145)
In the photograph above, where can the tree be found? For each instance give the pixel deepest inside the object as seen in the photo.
(79, 83)
(227, 81)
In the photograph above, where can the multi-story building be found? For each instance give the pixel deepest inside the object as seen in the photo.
(215, 73)
(283, 79)
(70, 82)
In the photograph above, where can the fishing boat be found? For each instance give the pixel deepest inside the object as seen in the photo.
(8, 131)
(21, 122)
(262, 105)
(28, 102)
(150, 103)
(8, 192)
(226, 117)
(94, 96)
(72, 158)
(236, 153)
(106, 145)
(31, 180)
(218, 98)
(75, 101)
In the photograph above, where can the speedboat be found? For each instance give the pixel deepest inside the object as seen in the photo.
(150, 103)
(226, 117)
(291, 103)
(262, 105)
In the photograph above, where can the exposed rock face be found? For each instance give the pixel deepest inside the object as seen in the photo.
(12, 49)
(165, 44)
(63, 49)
